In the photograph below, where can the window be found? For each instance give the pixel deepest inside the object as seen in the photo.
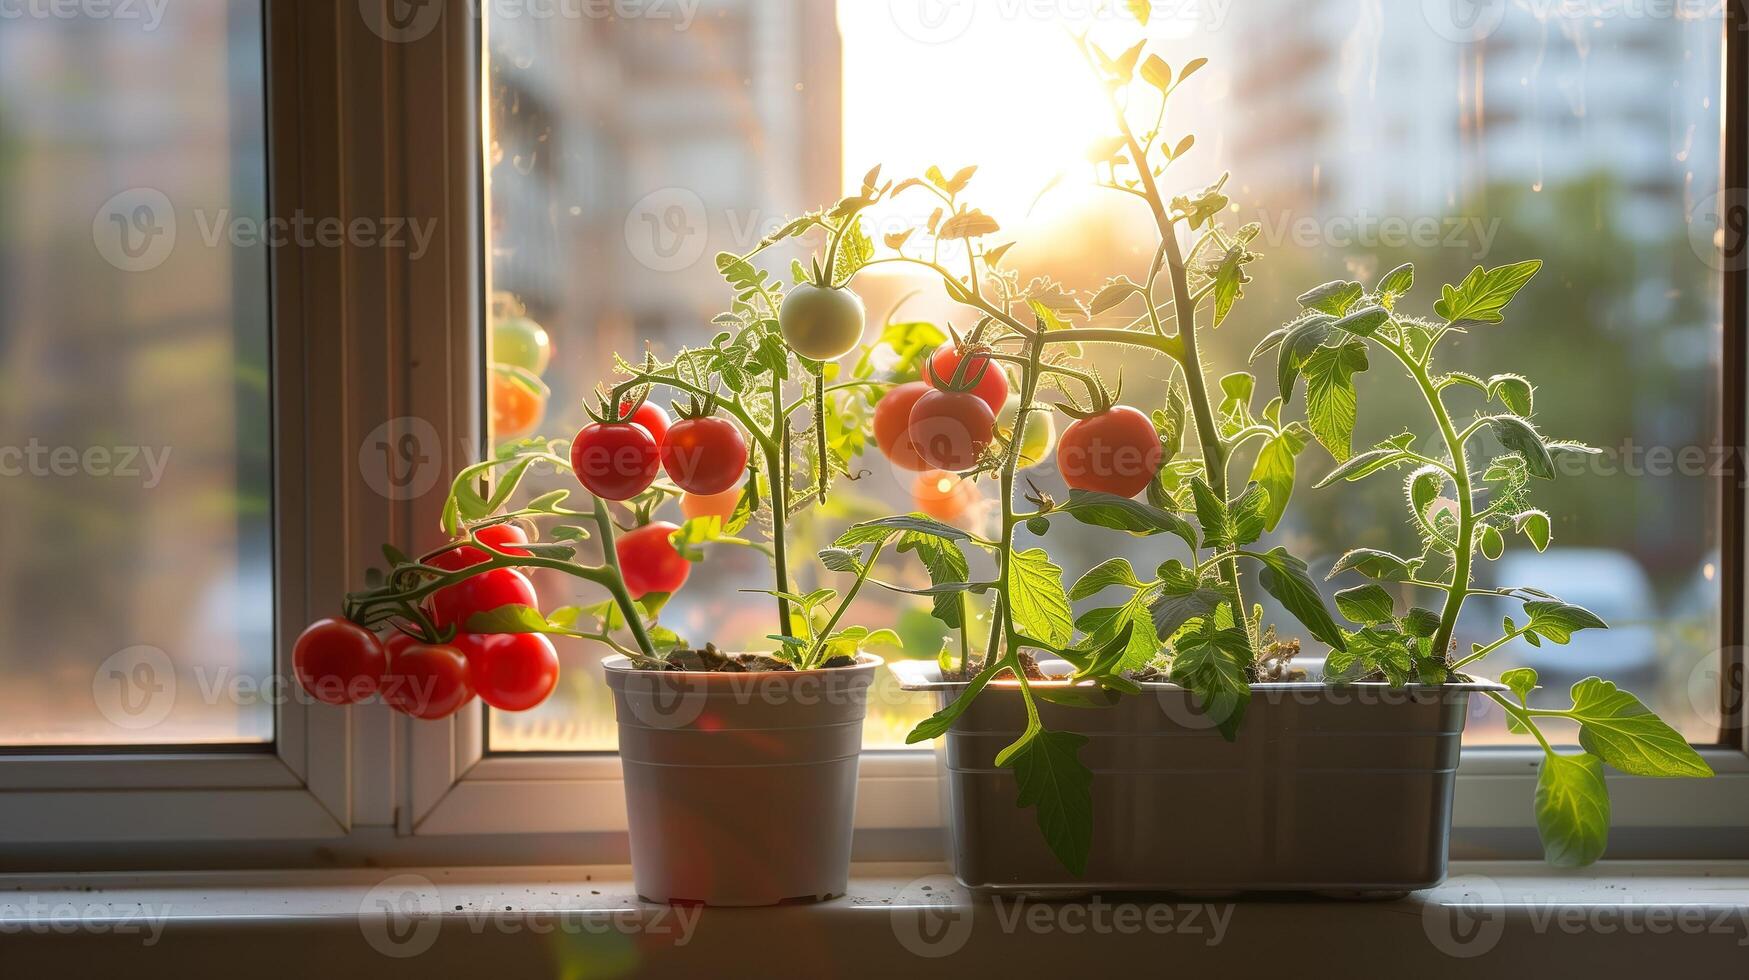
(136, 453)
(624, 155)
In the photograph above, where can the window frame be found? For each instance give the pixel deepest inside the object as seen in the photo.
(363, 785)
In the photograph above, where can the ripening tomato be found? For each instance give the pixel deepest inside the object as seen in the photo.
(427, 680)
(510, 671)
(991, 385)
(1041, 430)
(516, 410)
(521, 342)
(704, 455)
(821, 322)
(892, 425)
(951, 429)
(338, 661)
(1116, 451)
(615, 460)
(943, 495)
(653, 417)
(649, 562)
(505, 537)
(711, 505)
(453, 605)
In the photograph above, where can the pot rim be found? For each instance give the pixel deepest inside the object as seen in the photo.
(922, 675)
(620, 663)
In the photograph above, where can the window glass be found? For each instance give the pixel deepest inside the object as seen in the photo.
(626, 153)
(135, 455)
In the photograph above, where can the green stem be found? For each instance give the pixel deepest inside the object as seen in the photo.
(1490, 648)
(1460, 473)
(1523, 716)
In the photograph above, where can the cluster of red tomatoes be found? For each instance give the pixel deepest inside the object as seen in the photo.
(704, 455)
(943, 426)
(340, 662)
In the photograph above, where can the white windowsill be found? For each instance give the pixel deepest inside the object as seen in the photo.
(1618, 917)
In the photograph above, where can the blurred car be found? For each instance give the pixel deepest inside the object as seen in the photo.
(1606, 581)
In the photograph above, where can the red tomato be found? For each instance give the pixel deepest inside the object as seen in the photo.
(649, 561)
(427, 681)
(714, 504)
(951, 428)
(653, 417)
(992, 387)
(615, 460)
(338, 661)
(453, 605)
(504, 537)
(892, 423)
(704, 455)
(516, 411)
(944, 496)
(510, 671)
(1117, 452)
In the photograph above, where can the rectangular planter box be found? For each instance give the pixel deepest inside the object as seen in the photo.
(1338, 789)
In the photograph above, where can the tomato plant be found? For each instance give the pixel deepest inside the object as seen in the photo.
(454, 605)
(1115, 451)
(821, 322)
(951, 429)
(704, 454)
(985, 377)
(892, 425)
(510, 671)
(427, 680)
(650, 562)
(615, 460)
(338, 661)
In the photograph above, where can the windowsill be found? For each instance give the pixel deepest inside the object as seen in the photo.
(1619, 916)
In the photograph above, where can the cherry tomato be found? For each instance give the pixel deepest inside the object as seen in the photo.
(1116, 452)
(951, 428)
(427, 681)
(649, 561)
(943, 495)
(1041, 430)
(454, 604)
(516, 411)
(615, 460)
(892, 425)
(521, 342)
(821, 322)
(338, 661)
(992, 386)
(653, 417)
(510, 671)
(704, 455)
(505, 537)
(715, 504)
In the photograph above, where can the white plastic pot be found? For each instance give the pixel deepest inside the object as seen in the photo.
(740, 788)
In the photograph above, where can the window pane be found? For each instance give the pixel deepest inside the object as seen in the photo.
(627, 153)
(135, 454)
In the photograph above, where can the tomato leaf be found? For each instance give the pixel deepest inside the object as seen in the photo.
(1617, 728)
(1483, 295)
(1284, 577)
(1039, 603)
(1052, 779)
(1572, 810)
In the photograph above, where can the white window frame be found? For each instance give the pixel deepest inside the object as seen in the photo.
(363, 785)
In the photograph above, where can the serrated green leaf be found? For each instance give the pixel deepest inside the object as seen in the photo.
(1330, 395)
(1039, 602)
(1521, 437)
(1301, 340)
(1334, 297)
(1558, 621)
(1248, 513)
(1211, 663)
(1522, 681)
(1420, 622)
(1170, 610)
(1124, 514)
(1617, 728)
(1363, 322)
(946, 564)
(1367, 604)
(1374, 563)
(1284, 577)
(1364, 464)
(938, 724)
(869, 532)
(1399, 280)
(1053, 780)
(1483, 295)
(1274, 471)
(1211, 513)
(1572, 810)
(1113, 571)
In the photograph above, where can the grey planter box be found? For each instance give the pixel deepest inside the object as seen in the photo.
(1336, 789)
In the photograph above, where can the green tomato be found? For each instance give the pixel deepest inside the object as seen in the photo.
(521, 342)
(1041, 431)
(821, 322)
